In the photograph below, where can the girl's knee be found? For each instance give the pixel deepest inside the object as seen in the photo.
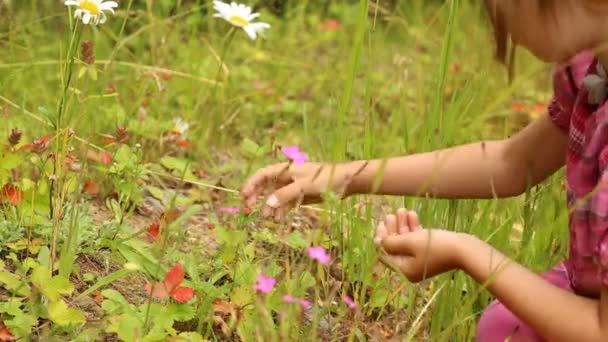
(498, 324)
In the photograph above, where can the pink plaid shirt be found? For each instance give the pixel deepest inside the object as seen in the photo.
(586, 174)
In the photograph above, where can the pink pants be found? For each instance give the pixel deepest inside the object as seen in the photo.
(498, 324)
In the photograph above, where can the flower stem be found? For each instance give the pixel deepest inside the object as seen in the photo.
(214, 117)
(62, 140)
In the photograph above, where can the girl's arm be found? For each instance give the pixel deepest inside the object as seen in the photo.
(481, 170)
(556, 314)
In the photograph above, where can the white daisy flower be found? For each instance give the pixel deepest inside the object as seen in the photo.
(180, 126)
(92, 11)
(241, 16)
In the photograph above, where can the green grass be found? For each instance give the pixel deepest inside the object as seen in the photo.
(389, 82)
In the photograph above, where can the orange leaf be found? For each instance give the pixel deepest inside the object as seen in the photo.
(91, 187)
(99, 157)
(10, 193)
(183, 143)
(175, 277)
(154, 232)
(519, 107)
(157, 290)
(182, 294)
(168, 217)
(5, 334)
(330, 25)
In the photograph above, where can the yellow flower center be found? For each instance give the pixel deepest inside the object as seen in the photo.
(90, 6)
(238, 21)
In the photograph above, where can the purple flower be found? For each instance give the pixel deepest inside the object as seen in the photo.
(294, 154)
(229, 210)
(304, 303)
(318, 253)
(350, 302)
(264, 284)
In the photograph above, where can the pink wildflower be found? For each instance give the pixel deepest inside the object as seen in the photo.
(350, 302)
(318, 253)
(304, 303)
(289, 299)
(229, 210)
(264, 284)
(294, 154)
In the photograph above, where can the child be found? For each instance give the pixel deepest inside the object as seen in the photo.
(569, 303)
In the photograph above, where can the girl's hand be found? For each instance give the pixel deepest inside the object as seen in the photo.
(418, 253)
(295, 184)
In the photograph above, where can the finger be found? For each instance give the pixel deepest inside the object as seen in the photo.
(413, 221)
(274, 173)
(390, 262)
(285, 197)
(381, 232)
(391, 224)
(402, 223)
(397, 244)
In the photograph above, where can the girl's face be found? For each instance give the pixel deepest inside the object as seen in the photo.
(554, 32)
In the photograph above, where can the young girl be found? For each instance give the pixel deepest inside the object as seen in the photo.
(570, 302)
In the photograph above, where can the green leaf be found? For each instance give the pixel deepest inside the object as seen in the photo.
(230, 238)
(296, 240)
(44, 257)
(156, 192)
(173, 163)
(12, 307)
(52, 288)
(181, 312)
(114, 302)
(49, 114)
(191, 337)
(63, 316)
(12, 283)
(21, 325)
(10, 161)
(126, 328)
(251, 148)
(379, 297)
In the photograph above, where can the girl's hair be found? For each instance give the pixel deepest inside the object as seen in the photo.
(505, 52)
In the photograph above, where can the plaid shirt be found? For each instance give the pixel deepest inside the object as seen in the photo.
(586, 174)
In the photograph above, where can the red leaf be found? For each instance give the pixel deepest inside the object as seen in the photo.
(330, 25)
(519, 107)
(540, 108)
(183, 143)
(91, 187)
(154, 231)
(175, 277)
(169, 217)
(10, 193)
(108, 141)
(99, 157)
(26, 147)
(157, 290)
(105, 158)
(166, 76)
(182, 294)
(5, 334)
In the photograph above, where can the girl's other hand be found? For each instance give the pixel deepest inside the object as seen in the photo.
(418, 253)
(292, 185)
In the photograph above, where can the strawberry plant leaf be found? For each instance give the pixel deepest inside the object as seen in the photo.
(62, 315)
